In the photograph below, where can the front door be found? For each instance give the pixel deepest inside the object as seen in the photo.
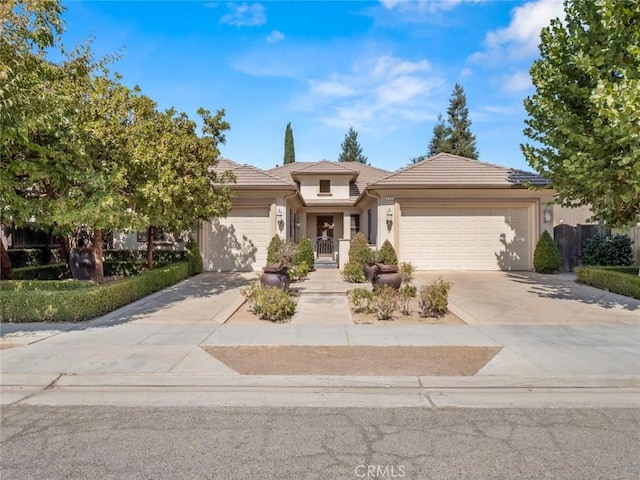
(325, 224)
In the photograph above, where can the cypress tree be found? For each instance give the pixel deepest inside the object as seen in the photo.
(289, 150)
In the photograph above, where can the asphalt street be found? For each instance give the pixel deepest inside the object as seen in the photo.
(91, 442)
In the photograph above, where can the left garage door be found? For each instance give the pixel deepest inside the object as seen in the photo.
(237, 243)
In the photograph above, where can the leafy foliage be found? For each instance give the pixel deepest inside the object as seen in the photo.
(406, 293)
(407, 272)
(270, 303)
(362, 300)
(546, 257)
(353, 273)
(351, 149)
(434, 298)
(289, 149)
(385, 302)
(304, 253)
(359, 251)
(584, 116)
(194, 258)
(387, 254)
(273, 250)
(608, 251)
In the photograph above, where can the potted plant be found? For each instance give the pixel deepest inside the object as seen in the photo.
(386, 272)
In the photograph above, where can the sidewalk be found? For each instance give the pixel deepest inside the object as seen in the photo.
(150, 353)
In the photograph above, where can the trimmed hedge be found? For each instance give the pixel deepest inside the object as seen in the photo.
(79, 304)
(25, 257)
(611, 279)
(163, 257)
(43, 285)
(55, 271)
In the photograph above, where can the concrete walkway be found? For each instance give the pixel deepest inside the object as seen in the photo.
(555, 334)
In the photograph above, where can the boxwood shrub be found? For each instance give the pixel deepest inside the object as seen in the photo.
(55, 271)
(25, 257)
(76, 304)
(620, 280)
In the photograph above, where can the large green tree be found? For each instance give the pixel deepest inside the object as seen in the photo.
(351, 149)
(81, 149)
(584, 118)
(459, 139)
(440, 141)
(289, 149)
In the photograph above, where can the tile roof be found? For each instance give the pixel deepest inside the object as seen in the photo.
(249, 176)
(365, 173)
(446, 170)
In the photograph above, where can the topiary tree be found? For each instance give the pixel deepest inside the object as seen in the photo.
(546, 258)
(387, 254)
(304, 253)
(194, 258)
(273, 252)
(359, 251)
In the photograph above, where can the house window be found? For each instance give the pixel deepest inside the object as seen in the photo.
(369, 226)
(355, 224)
(325, 186)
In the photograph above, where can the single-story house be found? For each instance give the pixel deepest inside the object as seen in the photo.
(442, 213)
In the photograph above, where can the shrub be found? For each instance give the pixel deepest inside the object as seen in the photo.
(43, 285)
(362, 299)
(387, 254)
(359, 251)
(193, 258)
(546, 257)
(627, 284)
(353, 273)
(160, 257)
(304, 253)
(406, 293)
(273, 251)
(608, 251)
(270, 303)
(122, 269)
(434, 298)
(25, 257)
(407, 272)
(385, 302)
(299, 271)
(76, 304)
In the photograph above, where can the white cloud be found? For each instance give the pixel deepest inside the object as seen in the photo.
(374, 93)
(244, 15)
(275, 36)
(517, 82)
(521, 37)
(419, 6)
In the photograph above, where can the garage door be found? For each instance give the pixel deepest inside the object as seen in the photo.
(466, 238)
(237, 243)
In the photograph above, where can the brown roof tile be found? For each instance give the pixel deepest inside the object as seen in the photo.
(249, 176)
(446, 170)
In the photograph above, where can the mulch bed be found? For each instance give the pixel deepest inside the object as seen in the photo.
(355, 360)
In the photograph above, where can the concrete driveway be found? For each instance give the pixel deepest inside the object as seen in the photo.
(527, 298)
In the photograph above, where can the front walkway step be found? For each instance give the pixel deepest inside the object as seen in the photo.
(322, 309)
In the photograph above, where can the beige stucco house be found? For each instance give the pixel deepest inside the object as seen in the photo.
(443, 213)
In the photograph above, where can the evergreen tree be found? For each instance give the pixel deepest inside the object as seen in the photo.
(289, 150)
(351, 149)
(440, 142)
(460, 139)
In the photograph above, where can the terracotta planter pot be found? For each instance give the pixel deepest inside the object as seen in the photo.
(279, 279)
(369, 271)
(387, 275)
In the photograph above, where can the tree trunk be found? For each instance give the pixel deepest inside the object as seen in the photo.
(63, 240)
(97, 252)
(150, 233)
(6, 272)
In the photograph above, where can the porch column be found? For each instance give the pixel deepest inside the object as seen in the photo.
(343, 252)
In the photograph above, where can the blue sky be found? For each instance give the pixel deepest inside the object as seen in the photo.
(386, 68)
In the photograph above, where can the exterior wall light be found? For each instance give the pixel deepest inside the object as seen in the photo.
(546, 215)
(389, 217)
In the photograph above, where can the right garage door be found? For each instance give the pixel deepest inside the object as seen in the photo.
(466, 238)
